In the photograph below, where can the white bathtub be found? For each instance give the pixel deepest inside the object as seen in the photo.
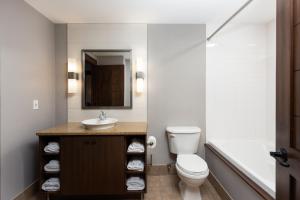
(252, 158)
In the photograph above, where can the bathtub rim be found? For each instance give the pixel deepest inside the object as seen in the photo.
(261, 191)
(252, 174)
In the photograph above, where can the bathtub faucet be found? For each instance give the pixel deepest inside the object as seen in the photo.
(102, 115)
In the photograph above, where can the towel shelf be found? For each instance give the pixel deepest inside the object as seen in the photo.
(135, 153)
(54, 173)
(134, 172)
(51, 192)
(45, 157)
(50, 154)
(136, 191)
(139, 155)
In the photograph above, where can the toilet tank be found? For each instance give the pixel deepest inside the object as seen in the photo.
(183, 139)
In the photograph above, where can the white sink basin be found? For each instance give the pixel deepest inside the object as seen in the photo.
(97, 124)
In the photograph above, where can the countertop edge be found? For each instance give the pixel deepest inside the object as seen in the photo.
(75, 129)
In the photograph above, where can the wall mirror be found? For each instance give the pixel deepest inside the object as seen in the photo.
(107, 81)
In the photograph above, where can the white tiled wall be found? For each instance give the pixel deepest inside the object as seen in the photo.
(271, 82)
(109, 36)
(241, 83)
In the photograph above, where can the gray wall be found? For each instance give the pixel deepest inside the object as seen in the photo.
(61, 64)
(27, 73)
(176, 82)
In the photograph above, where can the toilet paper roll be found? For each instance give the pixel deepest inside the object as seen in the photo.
(151, 142)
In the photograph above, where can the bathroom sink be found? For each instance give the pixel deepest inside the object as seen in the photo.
(97, 124)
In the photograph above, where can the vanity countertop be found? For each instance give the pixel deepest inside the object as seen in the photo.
(75, 128)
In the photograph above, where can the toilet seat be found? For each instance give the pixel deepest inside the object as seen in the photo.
(192, 164)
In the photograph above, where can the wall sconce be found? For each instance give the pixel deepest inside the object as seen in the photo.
(140, 76)
(72, 76)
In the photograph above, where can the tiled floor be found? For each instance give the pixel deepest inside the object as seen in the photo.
(165, 187)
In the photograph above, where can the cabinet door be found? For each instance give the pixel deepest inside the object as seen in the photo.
(92, 165)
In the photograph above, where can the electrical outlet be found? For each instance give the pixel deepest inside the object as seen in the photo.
(35, 104)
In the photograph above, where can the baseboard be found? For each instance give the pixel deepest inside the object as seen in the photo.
(218, 186)
(159, 170)
(30, 191)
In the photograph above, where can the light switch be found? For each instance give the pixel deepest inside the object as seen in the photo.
(35, 105)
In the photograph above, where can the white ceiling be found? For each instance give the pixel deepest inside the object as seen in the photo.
(149, 11)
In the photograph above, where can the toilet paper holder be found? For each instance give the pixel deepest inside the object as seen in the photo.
(151, 143)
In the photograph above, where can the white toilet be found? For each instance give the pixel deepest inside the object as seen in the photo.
(191, 169)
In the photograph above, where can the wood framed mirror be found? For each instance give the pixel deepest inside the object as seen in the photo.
(106, 79)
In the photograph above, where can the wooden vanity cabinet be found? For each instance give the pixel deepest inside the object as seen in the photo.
(92, 165)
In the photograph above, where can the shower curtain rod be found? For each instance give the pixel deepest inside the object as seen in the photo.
(229, 19)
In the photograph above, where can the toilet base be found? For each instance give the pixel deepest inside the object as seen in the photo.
(188, 192)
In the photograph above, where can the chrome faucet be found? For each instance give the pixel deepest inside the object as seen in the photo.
(102, 115)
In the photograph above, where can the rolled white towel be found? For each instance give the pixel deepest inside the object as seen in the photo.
(136, 146)
(52, 166)
(135, 188)
(51, 185)
(135, 180)
(135, 164)
(52, 147)
(135, 183)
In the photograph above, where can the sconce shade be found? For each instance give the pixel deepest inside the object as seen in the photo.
(140, 85)
(140, 76)
(72, 86)
(72, 82)
(72, 76)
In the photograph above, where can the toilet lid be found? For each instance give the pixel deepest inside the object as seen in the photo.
(191, 164)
